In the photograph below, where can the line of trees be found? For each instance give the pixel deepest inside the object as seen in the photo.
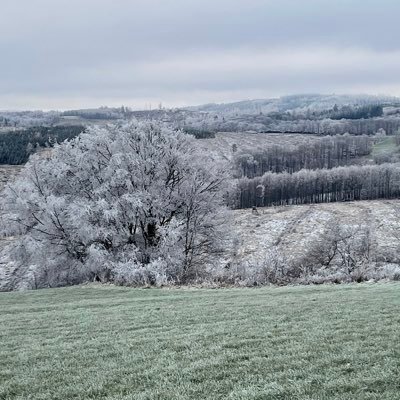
(362, 112)
(328, 152)
(270, 122)
(16, 147)
(333, 127)
(199, 133)
(320, 186)
(28, 119)
(336, 113)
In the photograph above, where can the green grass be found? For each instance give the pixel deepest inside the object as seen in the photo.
(386, 145)
(325, 342)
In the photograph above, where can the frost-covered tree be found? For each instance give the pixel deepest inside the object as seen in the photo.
(136, 203)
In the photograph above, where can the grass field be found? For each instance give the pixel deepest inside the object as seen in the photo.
(386, 146)
(325, 342)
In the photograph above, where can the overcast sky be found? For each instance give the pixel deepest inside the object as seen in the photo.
(58, 54)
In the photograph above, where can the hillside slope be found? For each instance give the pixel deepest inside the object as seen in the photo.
(293, 231)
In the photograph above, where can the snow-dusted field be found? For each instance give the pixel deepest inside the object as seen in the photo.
(221, 146)
(291, 230)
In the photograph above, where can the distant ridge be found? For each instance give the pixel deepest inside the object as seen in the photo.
(315, 102)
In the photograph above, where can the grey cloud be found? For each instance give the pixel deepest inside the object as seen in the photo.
(177, 50)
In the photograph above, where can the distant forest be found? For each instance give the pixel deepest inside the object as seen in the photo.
(328, 152)
(336, 113)
(17, 146)
(330, 170)
(363, 112)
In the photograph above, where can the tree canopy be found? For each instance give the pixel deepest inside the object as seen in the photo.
(136, 203)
